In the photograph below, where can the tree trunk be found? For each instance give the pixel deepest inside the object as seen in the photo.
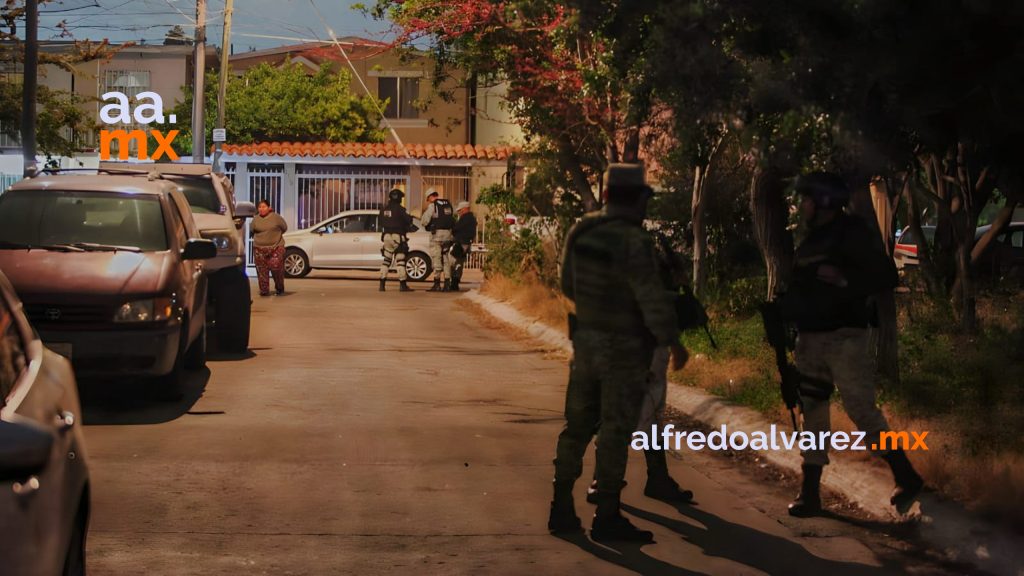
(570, 162)
(924, 254)
(770, 215)
(869, 194)
(700, 232)
(998, 225)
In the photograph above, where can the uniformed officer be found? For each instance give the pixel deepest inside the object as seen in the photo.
(463, 235)
(837, 268)
(395, 223)
(623, 312)
(438, 218)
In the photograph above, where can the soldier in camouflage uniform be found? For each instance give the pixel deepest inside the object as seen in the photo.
(623, 312)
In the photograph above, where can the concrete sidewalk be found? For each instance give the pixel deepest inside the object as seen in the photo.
(944, 525)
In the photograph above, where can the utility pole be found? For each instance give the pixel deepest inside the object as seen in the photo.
(222, 90)
(30, 70)
(198, 88)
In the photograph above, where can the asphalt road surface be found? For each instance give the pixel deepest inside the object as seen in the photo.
(373, 433)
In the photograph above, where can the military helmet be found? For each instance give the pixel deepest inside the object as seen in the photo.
(826, 189)
(396, 195)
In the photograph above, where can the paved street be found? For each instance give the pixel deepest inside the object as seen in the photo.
(398, 433)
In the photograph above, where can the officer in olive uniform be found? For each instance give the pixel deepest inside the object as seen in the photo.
(395, 223)
(623, 312)
(837, 269)
(439, 218)
(463, 235)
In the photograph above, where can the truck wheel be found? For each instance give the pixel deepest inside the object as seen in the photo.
(234, 304)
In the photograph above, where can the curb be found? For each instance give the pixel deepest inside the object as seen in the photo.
(946, 526)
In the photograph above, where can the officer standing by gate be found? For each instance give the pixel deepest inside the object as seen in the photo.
(623, 312)
(837, 268)
(463, 234)
(438, 218)
(395, 223)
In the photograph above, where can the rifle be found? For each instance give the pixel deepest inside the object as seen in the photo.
(778, 338)
(690, 313)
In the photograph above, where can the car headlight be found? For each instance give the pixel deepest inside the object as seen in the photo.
(149, 310)
(220, 240)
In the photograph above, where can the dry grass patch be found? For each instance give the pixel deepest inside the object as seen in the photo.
(531, 298)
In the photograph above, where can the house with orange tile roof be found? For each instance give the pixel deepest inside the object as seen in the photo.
(308, 182)
(414, 114)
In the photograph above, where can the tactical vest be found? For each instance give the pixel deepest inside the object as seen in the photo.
(444, 215)
(393, 219)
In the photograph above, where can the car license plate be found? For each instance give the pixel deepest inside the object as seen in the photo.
(62, 348)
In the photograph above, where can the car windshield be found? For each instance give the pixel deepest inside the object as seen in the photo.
(81, 220)
(201, 195)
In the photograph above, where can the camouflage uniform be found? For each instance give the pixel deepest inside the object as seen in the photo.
(623, 312)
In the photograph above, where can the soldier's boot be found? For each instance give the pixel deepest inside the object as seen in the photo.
(908, 482)
(808, 501)
(611, 526)
(563, 518)
(447, 286)
(382, 283)
(403, 286)
(436, 287)
(660, 485)
(592, 496)
(455, 285)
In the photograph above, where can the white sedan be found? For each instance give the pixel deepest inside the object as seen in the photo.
(351, 240)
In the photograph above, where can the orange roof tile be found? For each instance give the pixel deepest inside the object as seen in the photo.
(372, 150)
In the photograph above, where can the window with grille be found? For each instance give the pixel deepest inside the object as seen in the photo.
(130, 83)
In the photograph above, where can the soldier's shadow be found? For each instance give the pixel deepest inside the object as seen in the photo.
(628, 556)
(751, 547)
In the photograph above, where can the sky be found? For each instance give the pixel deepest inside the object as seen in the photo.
(252, 20)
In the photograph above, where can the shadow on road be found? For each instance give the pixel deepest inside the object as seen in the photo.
(627, 555)
(751, 547)
(131, 401)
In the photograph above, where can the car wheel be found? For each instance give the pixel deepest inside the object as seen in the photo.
(74, 560)
(195, 357)
(418, 266)
(296, 264)
(234, 305)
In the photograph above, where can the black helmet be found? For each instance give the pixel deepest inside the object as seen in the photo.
(396, 195)
(826, 189)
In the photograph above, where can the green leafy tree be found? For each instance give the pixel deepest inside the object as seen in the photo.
(286, 104)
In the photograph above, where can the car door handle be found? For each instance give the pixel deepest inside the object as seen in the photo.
(65, 421)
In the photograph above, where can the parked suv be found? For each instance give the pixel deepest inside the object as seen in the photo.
(221, 219)
(44, 479)
(351, 240)
(110, 269)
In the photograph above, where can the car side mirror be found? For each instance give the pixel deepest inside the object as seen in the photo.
(245, 210)
(198, 249)
(24, 450)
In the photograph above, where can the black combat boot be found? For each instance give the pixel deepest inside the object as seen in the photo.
(447, 286)
(611, 526)
(908, 482)
(808, 501)
(455, 286)
(563, 518)
(382, 283)
(403, 286)
(436, 287)
(660, 485)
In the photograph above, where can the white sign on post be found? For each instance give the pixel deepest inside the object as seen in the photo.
(220, 135)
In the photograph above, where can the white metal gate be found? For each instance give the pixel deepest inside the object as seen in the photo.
(265, 183)
(324, 191)
(450, 183)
